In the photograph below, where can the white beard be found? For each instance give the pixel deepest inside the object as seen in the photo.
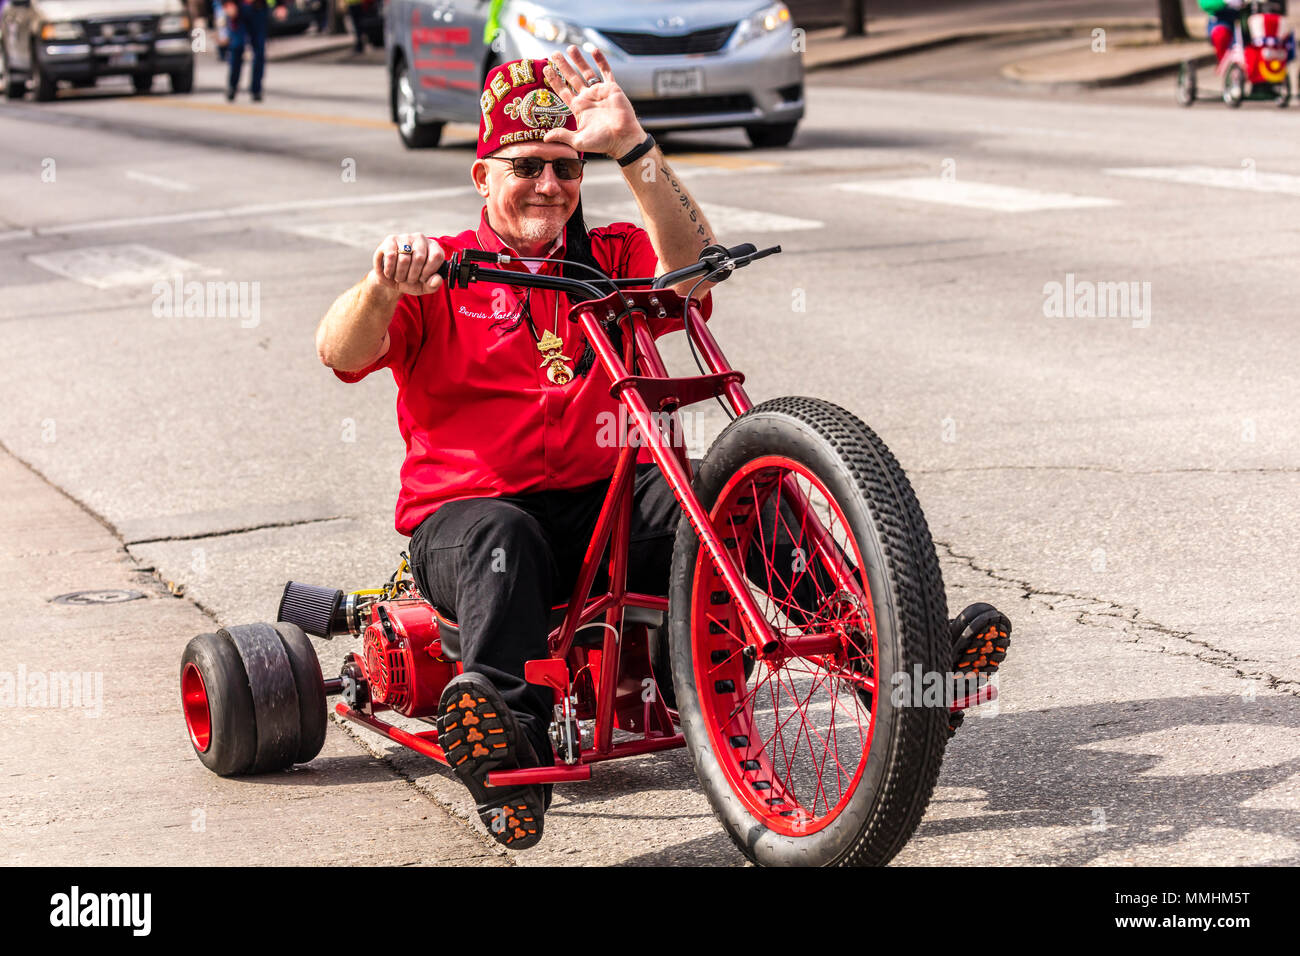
(539, 229)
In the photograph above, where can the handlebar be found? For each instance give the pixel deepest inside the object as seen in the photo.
(470, 265)
(713, 259)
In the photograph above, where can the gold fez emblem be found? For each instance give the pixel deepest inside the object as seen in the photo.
(551, 345)
(539, 109)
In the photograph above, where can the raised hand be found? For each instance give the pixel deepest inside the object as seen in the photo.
(607, 122)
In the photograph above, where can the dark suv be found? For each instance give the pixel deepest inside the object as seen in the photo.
(78, 41)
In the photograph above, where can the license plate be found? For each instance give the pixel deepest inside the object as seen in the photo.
(678, 82)
(122, 59)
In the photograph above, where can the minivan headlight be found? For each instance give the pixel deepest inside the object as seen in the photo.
(174, 23)
(62, 31)
(765, 21)
(552, 30)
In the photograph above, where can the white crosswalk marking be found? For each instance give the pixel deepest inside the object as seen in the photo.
(107, 267)
(171, 185)
(726, 220)
(1241, 177)
(254, 210)
(368, 234)
(973, 195)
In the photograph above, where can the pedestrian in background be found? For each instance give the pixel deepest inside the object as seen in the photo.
(248, 22)
(357, 12)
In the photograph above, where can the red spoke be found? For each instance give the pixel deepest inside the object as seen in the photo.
(803, 728)
(776, 716)
(762, 548)
(826, 674)
(812, 551)
(749, 696)
(802, 711)
(724, 663)
(781, 725)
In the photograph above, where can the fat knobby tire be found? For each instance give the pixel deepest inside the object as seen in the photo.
(906, 589)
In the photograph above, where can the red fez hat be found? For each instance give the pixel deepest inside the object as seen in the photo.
(518, 107)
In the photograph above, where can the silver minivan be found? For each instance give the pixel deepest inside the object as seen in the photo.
(685, 64)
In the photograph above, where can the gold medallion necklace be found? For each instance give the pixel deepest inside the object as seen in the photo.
(556, 363)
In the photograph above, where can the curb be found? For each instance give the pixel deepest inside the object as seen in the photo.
(1047, 29)
(1012, 72)
(307, 52)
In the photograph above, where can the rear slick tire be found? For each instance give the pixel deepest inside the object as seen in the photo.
(850, 776)
(218, 705)
(310, 684)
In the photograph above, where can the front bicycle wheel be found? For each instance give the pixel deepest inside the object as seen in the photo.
(812, 755)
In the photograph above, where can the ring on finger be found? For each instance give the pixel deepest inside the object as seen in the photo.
(592, 81)
(406, 249)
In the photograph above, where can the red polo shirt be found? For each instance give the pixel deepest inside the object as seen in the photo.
(479, 417)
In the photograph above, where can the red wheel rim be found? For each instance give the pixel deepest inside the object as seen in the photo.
(793, 737)
(194, 698)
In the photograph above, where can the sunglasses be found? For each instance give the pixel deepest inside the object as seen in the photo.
(530, 167)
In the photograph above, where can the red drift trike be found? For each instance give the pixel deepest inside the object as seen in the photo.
(804, 587)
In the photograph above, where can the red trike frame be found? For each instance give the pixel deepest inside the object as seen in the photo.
(643, 396)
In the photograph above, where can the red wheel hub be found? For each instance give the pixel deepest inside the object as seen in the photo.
(194, 698)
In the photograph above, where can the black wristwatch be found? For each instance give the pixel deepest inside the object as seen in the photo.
(636, 152)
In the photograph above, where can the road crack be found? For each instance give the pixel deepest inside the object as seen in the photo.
(1130, 624)
(233, 531)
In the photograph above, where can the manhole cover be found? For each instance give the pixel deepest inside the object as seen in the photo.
(97, 597)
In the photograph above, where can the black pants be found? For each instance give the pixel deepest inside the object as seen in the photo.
(499, 565)
(357, 14)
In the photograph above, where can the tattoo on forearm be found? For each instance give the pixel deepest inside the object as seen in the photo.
(687, 206)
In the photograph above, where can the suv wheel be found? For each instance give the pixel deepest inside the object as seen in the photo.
(15, 87)
(183, 80)
(46, 85)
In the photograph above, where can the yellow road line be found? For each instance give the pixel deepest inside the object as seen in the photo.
(452, 129)
(721, 160)
(266, 113)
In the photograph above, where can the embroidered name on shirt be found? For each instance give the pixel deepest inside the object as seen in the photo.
(495, 316)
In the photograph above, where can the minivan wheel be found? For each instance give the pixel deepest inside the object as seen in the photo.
(771, 135)
(415, 135)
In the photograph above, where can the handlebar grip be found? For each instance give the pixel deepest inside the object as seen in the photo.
(744, 249)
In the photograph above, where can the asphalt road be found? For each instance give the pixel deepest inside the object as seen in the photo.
(1125, 486)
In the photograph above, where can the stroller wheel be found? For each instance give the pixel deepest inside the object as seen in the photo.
(1186, 83)
(1234, 86)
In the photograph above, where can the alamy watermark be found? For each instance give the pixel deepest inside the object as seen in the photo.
(918, 688)
(56, 689)
(620, 430)
(126, 910)
(175, 298)
(1085, 299)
